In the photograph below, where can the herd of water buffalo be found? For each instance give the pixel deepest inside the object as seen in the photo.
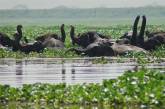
(90, 43)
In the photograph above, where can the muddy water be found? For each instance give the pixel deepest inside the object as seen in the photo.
(18, 72)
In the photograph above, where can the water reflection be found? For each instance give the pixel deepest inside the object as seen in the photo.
(73, 73)
(63, 71)
(19, 71)
(16, 73)
(19, 68)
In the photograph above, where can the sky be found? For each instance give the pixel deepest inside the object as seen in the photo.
(47, 4)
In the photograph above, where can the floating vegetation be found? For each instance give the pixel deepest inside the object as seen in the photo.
(142, 88)
(101, 60)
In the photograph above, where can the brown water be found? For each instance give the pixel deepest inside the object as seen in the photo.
(18, 72)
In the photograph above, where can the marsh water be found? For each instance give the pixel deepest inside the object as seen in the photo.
(71, 71)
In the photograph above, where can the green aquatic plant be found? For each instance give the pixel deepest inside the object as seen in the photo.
(140, 88)
(101, 60)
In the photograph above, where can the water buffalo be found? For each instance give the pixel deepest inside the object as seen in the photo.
(86, 38)
(53, 40)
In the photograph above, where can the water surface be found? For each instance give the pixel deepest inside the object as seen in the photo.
(18, 72)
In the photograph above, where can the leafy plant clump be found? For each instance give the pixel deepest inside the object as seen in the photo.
(144, 88)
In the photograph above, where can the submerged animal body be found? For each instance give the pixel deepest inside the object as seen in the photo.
(104, 47)
(152, 34)
(153, 40)
(13, 43)
(42, 38)
(5, 41)
(48, 40)
(53, 40)
(121, 49)
(131, 36)
(96, 49)
(98, 46)
(53, 43)
(86, 38)
(27, 48)
(35, 47)
(100, 49)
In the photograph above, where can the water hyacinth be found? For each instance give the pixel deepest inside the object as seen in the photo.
(116, 91)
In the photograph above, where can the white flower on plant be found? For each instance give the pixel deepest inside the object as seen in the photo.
(106, 89)
(152, 95)
(134, 82)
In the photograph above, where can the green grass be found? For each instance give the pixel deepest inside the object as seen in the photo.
(115, 31)
(139, 88)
